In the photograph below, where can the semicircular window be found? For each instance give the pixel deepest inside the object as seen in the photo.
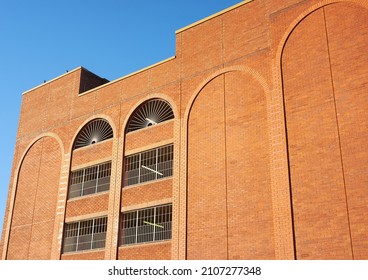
(150, 113)
(93, 132)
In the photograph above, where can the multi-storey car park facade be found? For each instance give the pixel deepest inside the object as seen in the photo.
(250, 143)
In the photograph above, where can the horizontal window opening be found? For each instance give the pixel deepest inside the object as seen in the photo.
(146, 225)
(85, 235)
(149, 165)
(90, 180)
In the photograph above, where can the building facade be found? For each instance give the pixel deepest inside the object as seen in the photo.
(250, 143)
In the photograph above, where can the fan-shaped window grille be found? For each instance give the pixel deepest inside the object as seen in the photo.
(93, 132)
(150, 113)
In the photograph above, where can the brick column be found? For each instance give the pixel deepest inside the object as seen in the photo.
(281, 200)
(178, 228)
(60, 209)
(111, 246)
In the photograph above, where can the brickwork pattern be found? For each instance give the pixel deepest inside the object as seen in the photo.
(320, 99)
(235, 123)
(143, 138)
(90, 255)
(351, 102)
(269, 136)
(154, 251)
(94, 153)
(31, 230)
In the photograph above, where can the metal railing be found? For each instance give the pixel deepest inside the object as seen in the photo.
(149, 165)
(85, 235)
(146, 225)
(90, 180)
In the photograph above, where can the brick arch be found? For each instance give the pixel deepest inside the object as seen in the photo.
(324, 100)
(239, 68)
(307, 12)
(87, 156)
(139, 141)
(222, 167)
(44, 151)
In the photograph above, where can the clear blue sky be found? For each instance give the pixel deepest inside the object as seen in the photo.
(41, 39)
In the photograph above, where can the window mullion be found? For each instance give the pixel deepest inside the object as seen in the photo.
(156, 167)
(97, 177)
(78, 234)
(93, 229)
(136, 228)
(139, 167)
(83, 180)
(154, 222)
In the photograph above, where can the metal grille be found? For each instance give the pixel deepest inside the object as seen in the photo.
(93, 132)
(146, 225)
(85, 235)
(90, 180)
(150, 113)
(149, 165)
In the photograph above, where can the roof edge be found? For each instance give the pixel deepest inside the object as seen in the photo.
(244, 2)
(129, 75)
(54, 79)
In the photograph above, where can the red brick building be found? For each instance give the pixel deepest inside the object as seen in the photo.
(250, 143)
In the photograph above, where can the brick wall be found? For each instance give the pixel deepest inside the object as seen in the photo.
(348, 41)
(323, 78)
(229, 194)
(317, 181)
(158, 251)
(147, 137)
(269, 136)
(31, 232)
(92, 154)
(93, 255)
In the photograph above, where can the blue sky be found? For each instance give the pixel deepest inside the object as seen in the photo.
(41, 39)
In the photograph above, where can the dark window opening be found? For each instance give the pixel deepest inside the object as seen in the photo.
(90, 180)
(146, 225)
(149, 165)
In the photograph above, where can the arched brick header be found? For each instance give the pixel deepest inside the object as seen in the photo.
(14, 189)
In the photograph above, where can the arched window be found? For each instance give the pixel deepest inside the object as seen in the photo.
(93, 132)
(150, 113)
